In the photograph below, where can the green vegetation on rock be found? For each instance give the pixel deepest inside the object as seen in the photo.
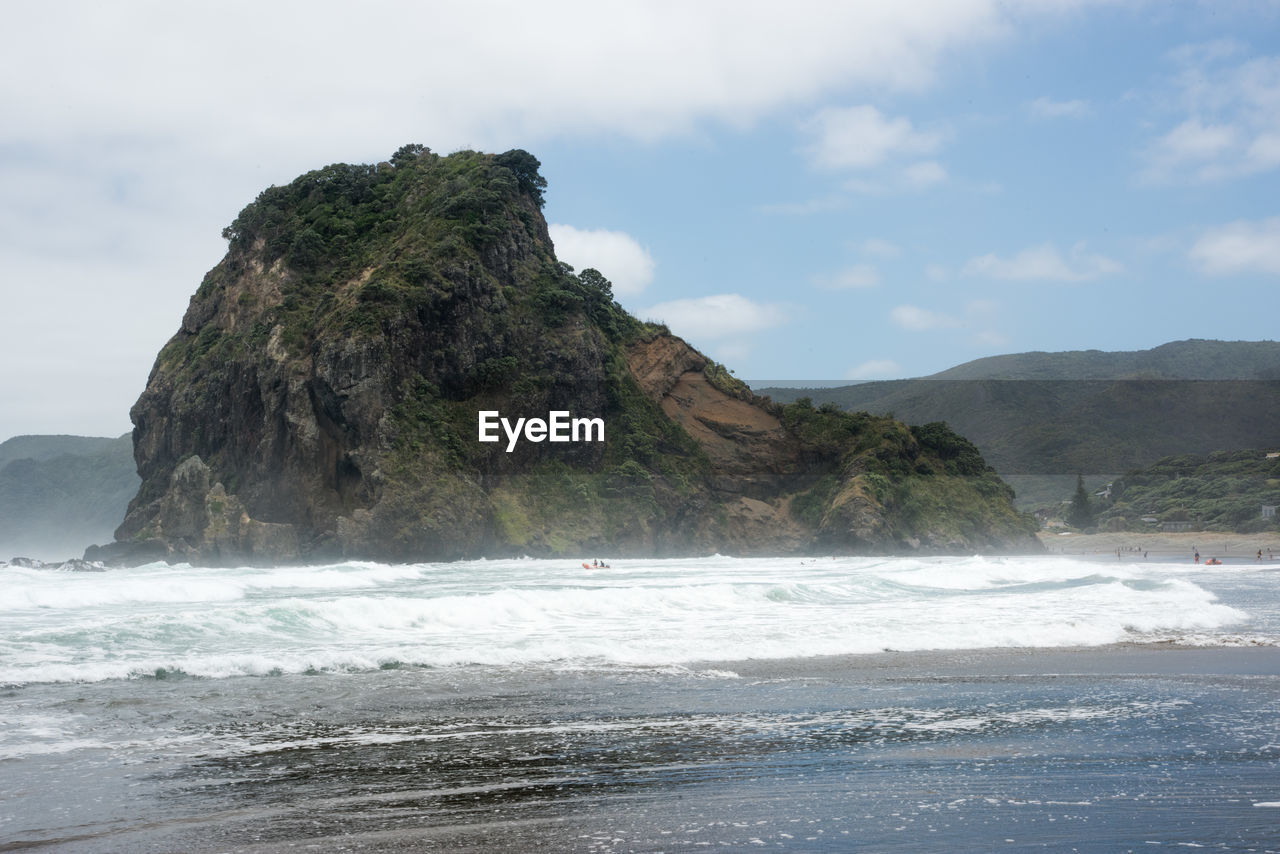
(321, 398)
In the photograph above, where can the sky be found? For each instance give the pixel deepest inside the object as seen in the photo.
(803, 190)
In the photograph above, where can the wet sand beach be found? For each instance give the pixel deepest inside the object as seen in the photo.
(1227, 547)
(1113, 748)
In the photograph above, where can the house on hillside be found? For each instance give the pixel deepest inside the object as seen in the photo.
(1175, 527)
(1048, 519)
(1268, 511)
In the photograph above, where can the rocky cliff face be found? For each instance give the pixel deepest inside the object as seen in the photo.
(321, 398)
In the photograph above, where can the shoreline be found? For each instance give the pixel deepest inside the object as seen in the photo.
(1125, 658)
(951, 750)
(1121, 658)
(1226, 546)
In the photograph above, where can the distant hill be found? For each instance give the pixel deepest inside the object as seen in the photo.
(1195, 359)
(59, 494)
(1089, 411)
(48, 447)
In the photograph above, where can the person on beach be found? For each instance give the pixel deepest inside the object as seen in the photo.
(1197, 551)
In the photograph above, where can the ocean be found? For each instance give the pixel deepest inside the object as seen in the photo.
(815, 704)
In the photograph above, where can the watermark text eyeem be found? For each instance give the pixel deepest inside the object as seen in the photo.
(558, 426)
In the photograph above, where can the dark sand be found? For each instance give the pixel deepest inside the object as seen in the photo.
(1102, 749)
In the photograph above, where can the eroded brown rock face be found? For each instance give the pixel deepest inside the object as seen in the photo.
(756, 465)
(320, 398)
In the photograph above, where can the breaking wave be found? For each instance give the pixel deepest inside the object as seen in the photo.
(167, 622)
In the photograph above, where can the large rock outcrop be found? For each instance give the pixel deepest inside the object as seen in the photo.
(320, 400)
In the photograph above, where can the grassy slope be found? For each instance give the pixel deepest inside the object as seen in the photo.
(1221, 492)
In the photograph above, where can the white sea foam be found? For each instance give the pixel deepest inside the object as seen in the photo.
(158, 583)
(520, 613)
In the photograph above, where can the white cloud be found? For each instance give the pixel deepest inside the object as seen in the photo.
(978, 317)
(981, 308)
(145, 127)
(825, 204)
(850, 278)
(862, 137)
(1229, 118)
(1205, 52)
(1195, 145)
(879, 248)
(920, 176)
(1043, 263)
(937, 273)
(1239, 247)
(917, 319)
(616, 254)
(1047, 108)
(644, 70)
(875, 369)
(1264, 151)
(914, 178)
(731, 352)
(990, 338)
(717, 316)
